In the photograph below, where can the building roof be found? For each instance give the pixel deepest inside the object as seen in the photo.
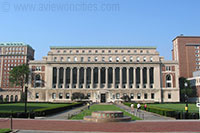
(16, 44)
(102, 47)
(182, 36)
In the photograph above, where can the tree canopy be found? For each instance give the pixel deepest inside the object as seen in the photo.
(19, 75)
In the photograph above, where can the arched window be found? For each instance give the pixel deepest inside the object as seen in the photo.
(53, 95)
(168, 81)
(1, 98)
(7, 98)
(117, 96)
(37, 80)
(11, 98)
(16, 98)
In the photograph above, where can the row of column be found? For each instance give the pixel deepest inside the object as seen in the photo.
(108, 77)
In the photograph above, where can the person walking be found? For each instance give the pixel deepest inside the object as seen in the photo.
(138, 107)
(88, 105)
(145, 106)
(132, 108)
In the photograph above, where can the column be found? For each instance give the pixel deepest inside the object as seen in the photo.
(141, 77)
(57, 83)
(92, 77)
(134, 77)
(99, 76)
(85, 77)
(78, 78)
(148, 79)
(71, 77)
(120, 76)
(114, 77)
(127, 71)
(106, 77)
(64, 78)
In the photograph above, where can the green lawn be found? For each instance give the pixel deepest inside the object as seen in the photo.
(5, 130)
(101, 108)
(19, 107)
(177, 106)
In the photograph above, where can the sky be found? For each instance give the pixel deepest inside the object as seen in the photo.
(44, 23)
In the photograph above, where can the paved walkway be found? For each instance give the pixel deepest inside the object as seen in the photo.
(144, 114)
(136, 126)
(65, 115)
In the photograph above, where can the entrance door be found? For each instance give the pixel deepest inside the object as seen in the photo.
(103, 98)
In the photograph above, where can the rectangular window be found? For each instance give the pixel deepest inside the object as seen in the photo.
(67, 96)
(36, 95)
(145, 96)
(60, 95)
(169, 96)
(138, 96)
(152, 96)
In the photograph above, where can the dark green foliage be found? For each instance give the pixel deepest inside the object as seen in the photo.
(126, 98)
(78, 96)
(19, 75)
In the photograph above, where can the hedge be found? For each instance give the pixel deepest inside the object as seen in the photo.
(40, 112)
(168, 112)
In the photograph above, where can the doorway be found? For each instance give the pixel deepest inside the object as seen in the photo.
(103, 98)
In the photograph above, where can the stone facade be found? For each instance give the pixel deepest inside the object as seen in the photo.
(104, 74)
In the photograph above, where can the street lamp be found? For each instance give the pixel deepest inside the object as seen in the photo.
(186, 97)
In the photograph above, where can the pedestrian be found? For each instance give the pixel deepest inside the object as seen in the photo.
(145, 106)
(138, 106)
(88, 104)
(132, 108)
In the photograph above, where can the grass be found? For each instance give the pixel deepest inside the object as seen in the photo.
(5, 130)
(19, 107)
(176, 107)
(101, 108)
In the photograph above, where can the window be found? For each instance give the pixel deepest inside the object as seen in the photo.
(168, 68)
(64, 51)
(60, 95)
(116, 51)
(61, 58)
(67, 95)
(96, 51)
(103, 59)
(197, 51)
(138, 96)
(58, 51)
(110, 59)
(132, 96)
(168, 81)
(38, 68)
(131, 59)
(75, 59)
(109, 51)
(68, 59)
(124, 59)
(103, 51)
(88, 95)
(89, 58)
(83, 51)
(151, 59)
(129, 51)
(152, 95)
(141, 51)
(96, 59)
(55, 58)
(138, 59)
(77, 51)
(145, 96)
(117, 59)
(82, 59)
(169, 96)
(53, 95)
(117, 96)
(36, 95)
(122, 51)
(196, 47)
(90, 51)
(144, 59)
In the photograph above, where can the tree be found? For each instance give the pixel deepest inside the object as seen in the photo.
(185, 91)
(126, 98)
(19, 77)
(77, 96)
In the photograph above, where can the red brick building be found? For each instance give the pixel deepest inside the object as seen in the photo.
(186, 50)
(11, 55)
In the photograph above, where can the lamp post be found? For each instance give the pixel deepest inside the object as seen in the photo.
(186, 99)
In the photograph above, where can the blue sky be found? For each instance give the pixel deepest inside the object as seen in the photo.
(44, 23)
